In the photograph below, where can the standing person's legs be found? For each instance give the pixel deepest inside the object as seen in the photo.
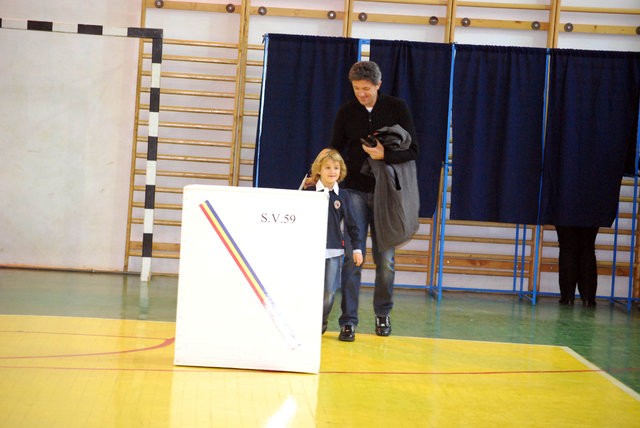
(588, 267)
(352, 274)
(568, 240)
(331, 284)
(385, 277)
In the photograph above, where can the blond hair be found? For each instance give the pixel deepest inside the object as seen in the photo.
(325, 154)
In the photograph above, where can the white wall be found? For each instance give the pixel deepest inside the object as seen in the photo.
(66, 126)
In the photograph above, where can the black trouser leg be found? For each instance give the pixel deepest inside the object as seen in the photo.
(568, 261)
(588, 272)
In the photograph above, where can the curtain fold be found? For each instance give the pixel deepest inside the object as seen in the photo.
(498, 103)
(419, 73)
(591, 132)
(305, 82)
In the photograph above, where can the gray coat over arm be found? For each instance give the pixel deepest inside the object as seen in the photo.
(396, 199)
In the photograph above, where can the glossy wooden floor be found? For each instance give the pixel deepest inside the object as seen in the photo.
(96, 350)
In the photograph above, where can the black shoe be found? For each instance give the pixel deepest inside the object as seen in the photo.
(324, 327)
(347, 333)
(383, 325)
(566, 302)
(589, 303)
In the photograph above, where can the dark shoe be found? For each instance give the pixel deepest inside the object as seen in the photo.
(566, 302)
(383, 325)
(347, 333)
(324, 327)
(589, 303)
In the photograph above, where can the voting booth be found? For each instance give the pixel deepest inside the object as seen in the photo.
(251, 278)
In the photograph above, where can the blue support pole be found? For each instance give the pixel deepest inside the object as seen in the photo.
(361, 43)
(432, 242)
(536, 257)
(445, 175)
(615, 256)
(258, 149)
(536, 242)
(518, 274)
(633, 217)
(523, 258)
(515, 261)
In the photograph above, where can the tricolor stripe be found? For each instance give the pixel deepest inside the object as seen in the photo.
(249, 274)
(234, 251)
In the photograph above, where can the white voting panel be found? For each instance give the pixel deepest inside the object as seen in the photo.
(251, 278)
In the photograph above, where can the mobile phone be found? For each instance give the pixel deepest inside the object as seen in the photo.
(369, 141)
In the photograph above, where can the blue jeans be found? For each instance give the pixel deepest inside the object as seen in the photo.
(362, 208)
(332, 267)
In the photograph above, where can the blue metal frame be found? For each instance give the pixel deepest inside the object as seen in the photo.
(634, 211)
(445, 176)
(523, 260)
(518, 272)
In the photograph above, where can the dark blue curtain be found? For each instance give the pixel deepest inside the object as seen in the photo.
(498, 106)
(419, 73)
(305, 83)
(497, 119)
(593, 114)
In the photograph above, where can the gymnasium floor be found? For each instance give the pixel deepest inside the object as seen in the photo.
(96, 350)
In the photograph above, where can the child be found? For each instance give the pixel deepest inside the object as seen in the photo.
(327, 170)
